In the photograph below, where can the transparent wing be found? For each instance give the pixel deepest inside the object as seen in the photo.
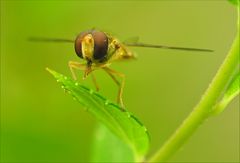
(131, 40)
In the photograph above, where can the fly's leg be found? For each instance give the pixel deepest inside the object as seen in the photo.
(112, 74)
(75, 65)
(95, 82)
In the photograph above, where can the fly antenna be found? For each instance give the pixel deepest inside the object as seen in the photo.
(167, 47)
(43, 39)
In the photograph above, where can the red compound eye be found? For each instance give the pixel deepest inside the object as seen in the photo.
(100, 45)
(78, 43)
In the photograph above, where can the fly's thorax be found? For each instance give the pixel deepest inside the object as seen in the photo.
(113, 46)
(92, 46)
(118, 51)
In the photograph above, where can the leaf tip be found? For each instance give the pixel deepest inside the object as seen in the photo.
(54, 73)
(49, 70)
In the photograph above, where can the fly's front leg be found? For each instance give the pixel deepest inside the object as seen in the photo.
(112, 74)
(75, 65)
(95, 82)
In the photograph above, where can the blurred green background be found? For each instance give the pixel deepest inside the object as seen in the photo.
(40, 123)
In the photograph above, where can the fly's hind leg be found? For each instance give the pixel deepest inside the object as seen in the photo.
(112, 74)
(75, 65)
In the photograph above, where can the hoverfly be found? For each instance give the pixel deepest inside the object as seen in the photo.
(99, 49)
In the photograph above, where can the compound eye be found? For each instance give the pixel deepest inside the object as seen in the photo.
(78, 43)
(100, 45)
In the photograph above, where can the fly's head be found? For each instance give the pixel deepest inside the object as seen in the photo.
(92, 46)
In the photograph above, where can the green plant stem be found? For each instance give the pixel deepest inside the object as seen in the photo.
(202, 111)
(229, 95)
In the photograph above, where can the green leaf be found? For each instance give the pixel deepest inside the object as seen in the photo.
(235, 2)
(122, 123)
(108, 148)
(231, 92)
